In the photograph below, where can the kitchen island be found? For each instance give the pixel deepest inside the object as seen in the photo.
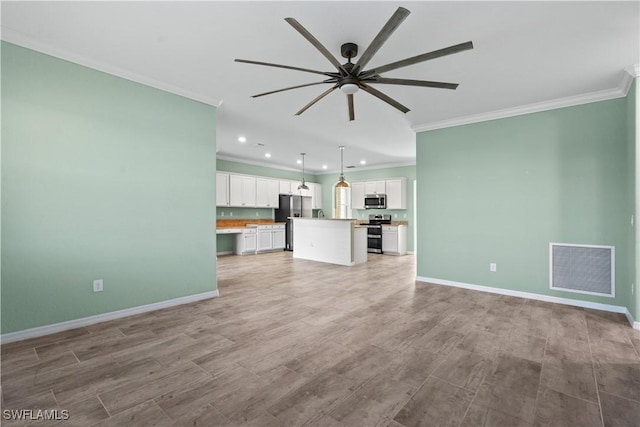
(335, 241)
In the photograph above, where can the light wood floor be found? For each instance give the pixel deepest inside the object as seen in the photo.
(292, 342)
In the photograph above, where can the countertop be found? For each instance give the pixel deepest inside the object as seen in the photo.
(242, 223)
(395, 223)
(326, 219)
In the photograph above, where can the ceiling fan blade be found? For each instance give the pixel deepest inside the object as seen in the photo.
(315, 42)
(288, 67)
(294, 87)
(352, 115)
(408, 82)
(316, 99)
(392, 24)
(384, 97)
(416, 59)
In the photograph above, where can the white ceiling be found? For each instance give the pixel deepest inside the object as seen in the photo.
(524, 53)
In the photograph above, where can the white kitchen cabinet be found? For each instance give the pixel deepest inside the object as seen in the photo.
(317, 196)
(394, 239)
(242, 191)
(267, 191)
(396, 193)
(265, 239)
(285, 186)
(357, 195)
(270, 237)
(307, 193)
(222, 189)
(375, 187)
(246, 241)
(279, 239)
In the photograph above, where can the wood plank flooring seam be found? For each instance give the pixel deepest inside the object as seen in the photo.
(595, 378)
(103, 405)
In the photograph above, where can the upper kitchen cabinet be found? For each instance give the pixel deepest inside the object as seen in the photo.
(317, 196)
(306, 193)
(375, 187)
(396, 193)
(267, 191)
(357, 195)
(222, 189)
(286, 187)
(242, 191)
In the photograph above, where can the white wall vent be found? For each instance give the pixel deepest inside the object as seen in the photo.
(587, 269)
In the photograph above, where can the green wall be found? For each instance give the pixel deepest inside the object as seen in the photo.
(633, 157)
(102, 178)
(408, 172)
(501, 191)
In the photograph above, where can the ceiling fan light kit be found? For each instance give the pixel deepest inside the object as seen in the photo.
(350, 77)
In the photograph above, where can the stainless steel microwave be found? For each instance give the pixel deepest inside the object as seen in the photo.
(375, 201)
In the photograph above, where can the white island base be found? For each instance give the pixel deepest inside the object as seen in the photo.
(335, 241)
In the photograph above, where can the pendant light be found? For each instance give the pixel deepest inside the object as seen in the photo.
(303, 185)
(342, 193)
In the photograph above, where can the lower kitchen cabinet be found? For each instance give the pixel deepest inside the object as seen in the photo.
(394, 239)
(279, 239)
(270, 237)
(246, 242)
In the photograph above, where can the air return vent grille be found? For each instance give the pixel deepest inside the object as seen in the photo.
(586, 269)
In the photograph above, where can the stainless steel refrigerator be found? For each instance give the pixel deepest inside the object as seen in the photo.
(291, 206)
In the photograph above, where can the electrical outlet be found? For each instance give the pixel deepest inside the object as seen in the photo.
(98, 285)
(221, 213)
(632, 286)
(231, 213)
(493, 267)
(257, 213)
(632, 220)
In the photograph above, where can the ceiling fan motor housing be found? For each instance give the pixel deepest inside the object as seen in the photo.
(349, 50)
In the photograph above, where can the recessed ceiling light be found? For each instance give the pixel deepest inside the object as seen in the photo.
(324, 166)
(299, 161)
(242, 139)
(267, 155)
(363, 162)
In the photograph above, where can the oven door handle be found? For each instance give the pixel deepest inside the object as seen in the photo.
(374, 236)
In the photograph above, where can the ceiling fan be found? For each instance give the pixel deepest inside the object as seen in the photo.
(351, 77)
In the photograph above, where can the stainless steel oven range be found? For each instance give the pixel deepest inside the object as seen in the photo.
(374, 232)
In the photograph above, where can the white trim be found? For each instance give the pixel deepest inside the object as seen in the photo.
(20, 39)
(99, 318)
(621, 91)
(244, 161)
(539, 297)
(613, 269)
(225, 252)
(369, 167)
(231, 158)
(634, 324)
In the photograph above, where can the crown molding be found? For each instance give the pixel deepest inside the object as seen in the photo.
(242, 160)
(311, 171)
(17, 38)
(621, 91)
(368, 167)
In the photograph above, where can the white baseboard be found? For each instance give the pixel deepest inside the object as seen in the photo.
(99, 318)
(224, 253)
(539, 297)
